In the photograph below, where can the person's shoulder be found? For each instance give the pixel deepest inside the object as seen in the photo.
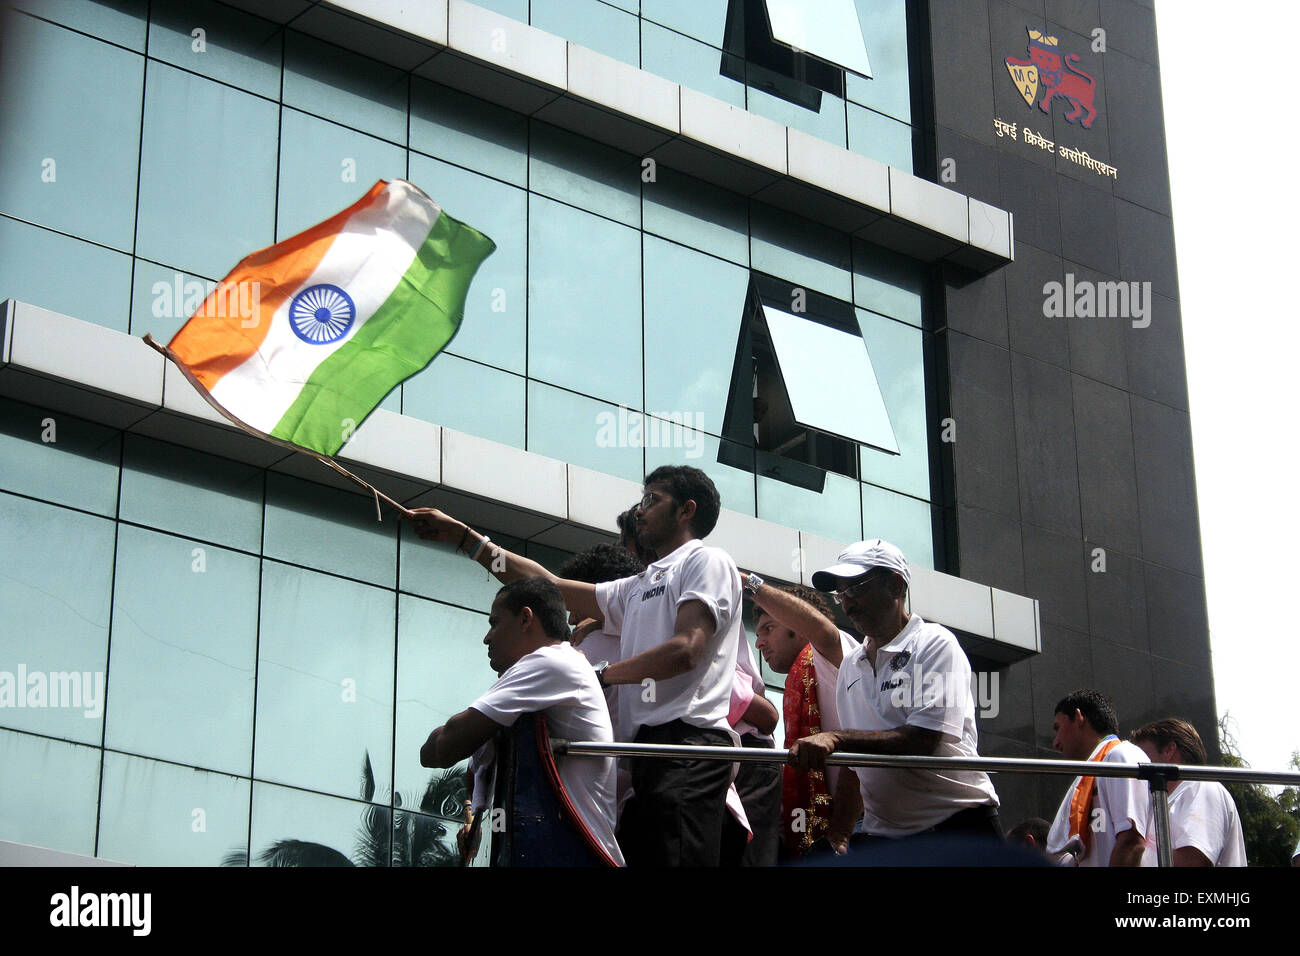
(848, 643)
(1126, 752)
(707, 554)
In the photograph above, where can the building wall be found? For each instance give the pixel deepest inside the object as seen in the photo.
(260, 638)
(1074, 441)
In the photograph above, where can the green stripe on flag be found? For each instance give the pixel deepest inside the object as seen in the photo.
(412, 326)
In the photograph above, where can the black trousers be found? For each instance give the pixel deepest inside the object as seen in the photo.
(759, 786)
(676, 814)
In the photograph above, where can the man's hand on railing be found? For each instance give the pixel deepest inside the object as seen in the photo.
(810, 753)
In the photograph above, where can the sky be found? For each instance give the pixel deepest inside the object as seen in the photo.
(1226, 78)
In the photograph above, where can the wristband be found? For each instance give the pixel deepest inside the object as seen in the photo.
(483, 543)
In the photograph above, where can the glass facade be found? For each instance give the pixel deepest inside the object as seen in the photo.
(257, 659)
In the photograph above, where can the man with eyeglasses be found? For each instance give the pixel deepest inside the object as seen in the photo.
(679, 629)
(905, 690)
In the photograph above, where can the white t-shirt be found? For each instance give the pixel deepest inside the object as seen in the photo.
(642, 611)
(558, 681)
(828, 676)
(1118, 804)
(921, 679)
(1203, 815)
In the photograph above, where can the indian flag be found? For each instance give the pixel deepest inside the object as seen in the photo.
(303, 339)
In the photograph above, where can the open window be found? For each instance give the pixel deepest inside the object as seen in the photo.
(794, 49)
(804, 394)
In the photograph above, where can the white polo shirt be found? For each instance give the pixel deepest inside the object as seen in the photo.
(921, 679)
(642, 611)
(1202, 814)
(1118, 804)
(558, 681)
(828, 676)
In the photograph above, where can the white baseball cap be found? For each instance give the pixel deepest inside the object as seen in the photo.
(857, 559)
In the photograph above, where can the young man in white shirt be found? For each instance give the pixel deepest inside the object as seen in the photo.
(1103, 821)
(541, 672)
(905, 690)
(679, 625)
(1204, 827)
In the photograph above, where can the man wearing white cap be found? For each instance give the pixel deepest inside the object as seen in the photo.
(906, 690)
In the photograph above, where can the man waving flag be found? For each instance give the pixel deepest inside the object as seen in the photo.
(328, 322)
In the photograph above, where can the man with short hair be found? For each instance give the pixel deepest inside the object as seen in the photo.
(1103, 821)
(541, 672)
(678, 624)
(1204, 828)
(905, 690)
(797, 636)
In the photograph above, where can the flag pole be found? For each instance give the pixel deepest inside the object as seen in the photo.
(329, 462)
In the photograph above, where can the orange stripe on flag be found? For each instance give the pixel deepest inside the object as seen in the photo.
(216, 338)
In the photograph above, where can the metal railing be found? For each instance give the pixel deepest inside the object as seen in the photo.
(1157, 775)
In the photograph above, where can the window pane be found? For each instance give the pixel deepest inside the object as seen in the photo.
(50, 792)
(585, 432)
(158, 814)
(420, 839)
(468, 397)
(324, 680)
(904, 522)
(71, 108)
(698, 214)
(703, 19)
(694, 304)
(235, 48)
(163, 299)
(889, 91)
(688, 62)
(584, 299)
(35, 264)
(896, 352)
(811, 355)
(585, 174)
(442, 669)
(883, 139)
(58, 458)
(184, 645)
(590, 23)
(345, 87)
(325, 168)
(188, 166)
(293, 828)
(190, 493)
(832, 513)
(801, 252)
(328, 529)
(469, 132)
(55, 618)
(887, 283)
(493, 329)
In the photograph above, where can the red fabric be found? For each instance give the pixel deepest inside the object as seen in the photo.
(803, 790)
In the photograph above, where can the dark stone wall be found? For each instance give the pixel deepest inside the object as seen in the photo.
(1072, 433)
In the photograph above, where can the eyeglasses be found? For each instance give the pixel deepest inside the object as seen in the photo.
(648, 499)
(860, 588)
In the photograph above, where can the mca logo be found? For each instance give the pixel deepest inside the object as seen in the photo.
(1057, 75)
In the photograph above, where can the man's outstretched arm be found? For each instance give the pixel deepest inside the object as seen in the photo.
(801, 617)
(506, 566)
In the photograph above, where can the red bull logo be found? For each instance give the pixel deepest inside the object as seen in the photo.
(1057, 75)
